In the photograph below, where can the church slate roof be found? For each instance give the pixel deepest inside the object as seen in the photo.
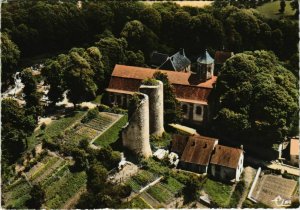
(129, 78)
(226, 156)
(205, 58)
(158, 58)
(176, 62)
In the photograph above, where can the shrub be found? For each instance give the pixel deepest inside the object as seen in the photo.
(103, 108)
(92, 114)
(150, 82)
(43, 126)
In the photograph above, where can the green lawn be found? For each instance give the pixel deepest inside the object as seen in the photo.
(270, 9)
(136, 203)
(55, 127)
(160, 193)
(112, 134)
(173, 185)
(218, 192)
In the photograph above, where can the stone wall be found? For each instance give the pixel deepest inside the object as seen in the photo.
(135, 135)
(156, 107)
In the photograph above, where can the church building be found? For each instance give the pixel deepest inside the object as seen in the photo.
(192, 89)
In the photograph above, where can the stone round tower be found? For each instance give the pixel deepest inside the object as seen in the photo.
(156, 107)
(135, 135)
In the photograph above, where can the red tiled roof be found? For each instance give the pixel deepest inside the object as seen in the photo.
(180, 78)
(226, 156)
(294, 147)
(198, 150)
(222, 56)
(178, 143)
(128, 78)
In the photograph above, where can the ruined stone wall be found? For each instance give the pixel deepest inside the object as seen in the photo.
(156, 107)
(135, 135)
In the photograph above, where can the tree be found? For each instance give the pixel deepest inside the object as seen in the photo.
(282, 6)
(172, 109)
(151, 18)
(10, 55)
(53, 73)
(37, 197)
(79, 79)
(135, 58)
(96, 178)
(258, 99)
(295, 6)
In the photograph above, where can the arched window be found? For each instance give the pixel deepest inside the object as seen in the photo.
(184, 108)
(198, 110)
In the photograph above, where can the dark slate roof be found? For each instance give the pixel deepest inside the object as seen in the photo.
(205, 58)
(158, 59)
(178, 61)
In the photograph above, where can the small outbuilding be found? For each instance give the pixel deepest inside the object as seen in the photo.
(227, 163)
(196, 154)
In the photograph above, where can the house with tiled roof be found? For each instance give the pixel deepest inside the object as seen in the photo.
(294, 151)
(196, 154)
(192, 89)
(203, 154)
(226, 163)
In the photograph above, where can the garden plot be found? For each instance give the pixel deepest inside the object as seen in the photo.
(53, 174)
(91, 129)
(142, 179)
(274, 191)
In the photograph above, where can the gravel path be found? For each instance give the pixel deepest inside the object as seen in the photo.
(249, 174)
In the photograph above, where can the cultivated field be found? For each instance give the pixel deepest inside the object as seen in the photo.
(199, 4)
(269, 187)
(53, 174)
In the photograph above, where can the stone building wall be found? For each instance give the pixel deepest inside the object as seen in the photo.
(156, 107)
(135, 135)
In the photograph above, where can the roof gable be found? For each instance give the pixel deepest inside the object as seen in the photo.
(226, 156)
(158, 58)
(198, 150)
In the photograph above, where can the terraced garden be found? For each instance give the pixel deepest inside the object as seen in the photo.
(53, 174)
(91, 129)
(140, 180)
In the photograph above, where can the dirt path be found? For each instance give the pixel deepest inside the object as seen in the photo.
(73, 200)
(249, 174)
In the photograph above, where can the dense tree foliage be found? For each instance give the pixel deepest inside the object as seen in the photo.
(258, 99)
(10, 55)
(37, 197)
(45, 26)
(16, 126)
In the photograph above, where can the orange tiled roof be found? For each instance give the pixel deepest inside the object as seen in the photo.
(129, 78)
(294, 147)
(226, 156)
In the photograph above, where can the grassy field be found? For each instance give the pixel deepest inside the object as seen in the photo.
(218, 192)
(270, 9)
(136, 203)
(112, 134)
(55, 127)
(199, 4)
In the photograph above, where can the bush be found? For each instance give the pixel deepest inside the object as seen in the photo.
(92, 114)
(150, 82)
(43, 126)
